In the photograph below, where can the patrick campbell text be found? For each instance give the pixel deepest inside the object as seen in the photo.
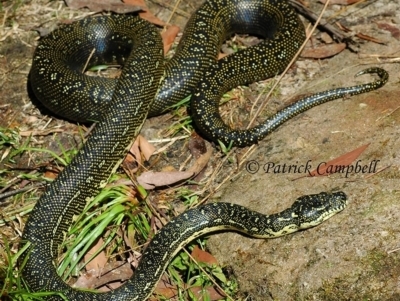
(322, 168)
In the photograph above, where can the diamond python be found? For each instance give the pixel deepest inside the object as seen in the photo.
(146, 87)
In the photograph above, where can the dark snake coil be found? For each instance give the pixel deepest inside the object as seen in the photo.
(120, 107)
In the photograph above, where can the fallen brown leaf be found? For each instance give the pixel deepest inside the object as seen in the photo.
(41, 132)
(98, 262)
(165, 288)
(146, 148)
(323, 51)
(169, 36)
(50, 175)
(221, 55)
(360, 35)
(341, 2)
(369, 38)
(393, 29)
(134, 158)
(202, 256)
(145, 13)
(201, 162)
(197, 145)
(114, 271)
(326, 38)
(115, 6)
(206, 293)
(343, 160)
(130, 163)
(136, 3)
(342, 27)
(151, 179)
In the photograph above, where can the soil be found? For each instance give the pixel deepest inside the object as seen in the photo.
(355, 255)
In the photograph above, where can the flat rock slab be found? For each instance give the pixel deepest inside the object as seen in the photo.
(355, 255)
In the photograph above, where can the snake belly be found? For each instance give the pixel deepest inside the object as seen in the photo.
(121, 107)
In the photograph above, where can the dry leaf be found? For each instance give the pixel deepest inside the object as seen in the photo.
(202, 256)
(221, 55)
(165, 288)
(169, 36)
(197, 145)
(343, 160)
(326, 38)
(323, 51)
(394, 30)
(146, 148)
(50, 174)
(136, 3)
(369, 38)
(341, 2)
(201, 162)
(132, 161)
(115, 6)
(151, 180)
(145, 14)
(360, 35)
(208, 293)
(134, 158)
(115, 271)
(148, 16)
(342, 27)
(98, 262)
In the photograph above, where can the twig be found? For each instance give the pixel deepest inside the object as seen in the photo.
(5, 195)
(314, 18)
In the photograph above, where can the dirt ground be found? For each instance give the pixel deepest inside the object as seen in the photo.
(353, 256)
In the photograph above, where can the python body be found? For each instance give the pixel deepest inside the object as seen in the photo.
(122, 107)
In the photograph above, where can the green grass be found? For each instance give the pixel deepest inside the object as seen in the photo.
(113, 214)
(190, 274)
(184, 122)
(104, 214)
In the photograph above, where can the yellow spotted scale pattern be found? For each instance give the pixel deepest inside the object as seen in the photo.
(66, 91)
(120, 107)
(103, 152)
(206, 102)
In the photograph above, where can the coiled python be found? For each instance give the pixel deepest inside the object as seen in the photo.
(121, 107)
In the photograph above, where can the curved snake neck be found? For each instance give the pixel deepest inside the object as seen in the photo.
(122, 107)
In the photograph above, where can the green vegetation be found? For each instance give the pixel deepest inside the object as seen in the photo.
(114, 216)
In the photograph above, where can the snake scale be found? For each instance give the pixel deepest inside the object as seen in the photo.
(146, 87)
